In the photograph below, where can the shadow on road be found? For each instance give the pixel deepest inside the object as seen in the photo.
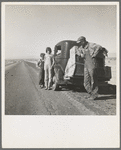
(108, 89)
(106, 97)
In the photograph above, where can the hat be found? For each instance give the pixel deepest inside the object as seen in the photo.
(81, 38)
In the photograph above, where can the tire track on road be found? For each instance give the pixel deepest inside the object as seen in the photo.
(21, 96)
(53, 99)
(54, 107)
(36, 86)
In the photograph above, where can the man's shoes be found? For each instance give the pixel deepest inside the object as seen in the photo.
(93, 97)
(86, 97)
(45, 88)
(90, 98)
(41, 86)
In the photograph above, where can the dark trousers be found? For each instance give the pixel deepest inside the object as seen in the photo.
(41, 76)
(91, 81)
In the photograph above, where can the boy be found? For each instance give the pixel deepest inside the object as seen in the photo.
(40, 64)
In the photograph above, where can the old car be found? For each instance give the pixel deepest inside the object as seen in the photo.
(69, 67)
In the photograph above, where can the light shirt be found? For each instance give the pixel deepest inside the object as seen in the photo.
(48, 59)
(93, 48)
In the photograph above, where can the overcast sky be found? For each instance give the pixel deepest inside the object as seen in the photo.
(29, 29)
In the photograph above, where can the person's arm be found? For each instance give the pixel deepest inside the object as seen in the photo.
(105, 51)
(44, 58)
(53, 62)
(37, 65)
(82, 54)
(79, 52)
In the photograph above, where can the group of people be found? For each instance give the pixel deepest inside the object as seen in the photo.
(86, 50)
(46, 63)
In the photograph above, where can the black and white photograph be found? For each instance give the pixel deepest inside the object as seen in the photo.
(60, 75)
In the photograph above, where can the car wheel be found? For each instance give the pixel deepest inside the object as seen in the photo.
(55, 86)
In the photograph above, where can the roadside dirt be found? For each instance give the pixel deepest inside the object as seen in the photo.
(105, 104)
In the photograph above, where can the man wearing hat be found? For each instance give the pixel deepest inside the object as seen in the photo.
(89, 51)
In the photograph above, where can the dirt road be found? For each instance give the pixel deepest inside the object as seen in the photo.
(23, 96)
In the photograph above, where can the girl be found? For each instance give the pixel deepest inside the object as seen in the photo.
(49, 62)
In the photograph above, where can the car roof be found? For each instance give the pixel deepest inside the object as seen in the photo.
(64, 41)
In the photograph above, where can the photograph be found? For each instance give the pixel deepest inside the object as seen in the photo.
(60, 65)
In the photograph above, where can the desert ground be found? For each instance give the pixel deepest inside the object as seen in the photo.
(23, 74)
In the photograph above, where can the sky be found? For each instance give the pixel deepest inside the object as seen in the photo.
(29, 29)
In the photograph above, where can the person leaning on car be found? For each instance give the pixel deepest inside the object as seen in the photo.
(88, 51)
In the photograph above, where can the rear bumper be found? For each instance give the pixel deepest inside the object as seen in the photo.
(62, 82)
(104, 74)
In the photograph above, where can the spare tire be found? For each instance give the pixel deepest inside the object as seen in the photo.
(55, 86)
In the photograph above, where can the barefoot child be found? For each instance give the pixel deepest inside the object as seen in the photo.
(40, 64)
(49, 62)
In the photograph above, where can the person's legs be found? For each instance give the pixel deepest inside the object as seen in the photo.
(87, 80)
(94, 83)
(50, 78)
(41, 77)
(46, 77)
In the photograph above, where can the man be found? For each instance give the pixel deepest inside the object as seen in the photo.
(89, 51)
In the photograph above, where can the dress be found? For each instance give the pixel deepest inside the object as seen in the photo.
(90, 69)
(40, 64)
(48, 70)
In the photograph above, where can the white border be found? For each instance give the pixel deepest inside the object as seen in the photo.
(20, 131)
(60, 3)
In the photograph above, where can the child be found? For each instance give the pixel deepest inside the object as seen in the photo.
(40, 64)
(49, 62)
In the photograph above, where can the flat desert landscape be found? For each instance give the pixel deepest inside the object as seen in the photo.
(110, 61)
(17, 71)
